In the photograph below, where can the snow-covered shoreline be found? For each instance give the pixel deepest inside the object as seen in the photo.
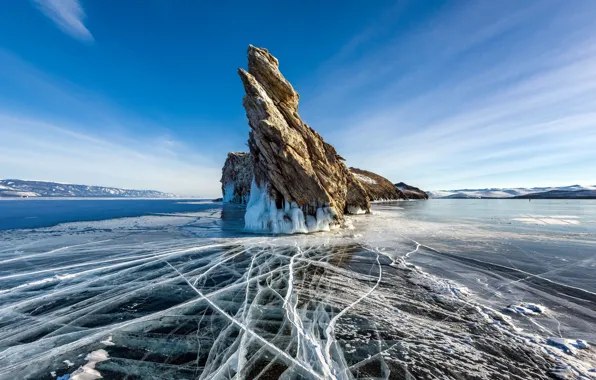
(10, 188)
(503, 193)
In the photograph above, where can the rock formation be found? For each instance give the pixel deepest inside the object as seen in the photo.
(236, 178)
(377, 188)
(410, 192)
(300, 182)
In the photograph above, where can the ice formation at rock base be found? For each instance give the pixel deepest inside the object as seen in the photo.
(262, 215)
(290, 163)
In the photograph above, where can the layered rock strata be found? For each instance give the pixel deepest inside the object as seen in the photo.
(300, 183)
(236, 178)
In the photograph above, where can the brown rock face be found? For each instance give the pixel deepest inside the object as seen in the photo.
(377, 187)
(291, 161)
(411, 192)
(236, 178)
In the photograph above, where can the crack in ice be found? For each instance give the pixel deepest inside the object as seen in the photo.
(245, 328)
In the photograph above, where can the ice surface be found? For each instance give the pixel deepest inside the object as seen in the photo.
(188, 296)
(547, 220)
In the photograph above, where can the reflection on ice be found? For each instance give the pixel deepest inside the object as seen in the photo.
(190, 298)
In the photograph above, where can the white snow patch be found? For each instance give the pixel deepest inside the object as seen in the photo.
(526, 309)
(108, 341)
(432, 283)
(363, 178)
(88, 371)
(439, 285)
(58, 277)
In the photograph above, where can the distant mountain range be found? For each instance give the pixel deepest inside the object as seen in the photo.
(563, 192)
(21, 188)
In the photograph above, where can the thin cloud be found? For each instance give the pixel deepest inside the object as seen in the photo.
(484, 98)
(41, 150)
(81, 137)
(68, 15)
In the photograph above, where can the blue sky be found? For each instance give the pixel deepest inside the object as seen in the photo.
(439, 94)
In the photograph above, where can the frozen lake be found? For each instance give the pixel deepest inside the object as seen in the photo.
(35, 213)
(159, 289)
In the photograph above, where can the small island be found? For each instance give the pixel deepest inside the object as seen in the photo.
(292, 181)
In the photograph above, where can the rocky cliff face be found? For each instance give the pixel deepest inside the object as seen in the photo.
(300, 182)
(377, 188)
(410, 192)
(236, 178)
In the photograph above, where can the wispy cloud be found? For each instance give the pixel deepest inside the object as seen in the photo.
(68, 16)
(54, 130)
(41, 150)
(478, 95)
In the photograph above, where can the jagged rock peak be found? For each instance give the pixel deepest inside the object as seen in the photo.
(294, 168)
(236, 177)
(265, 68)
